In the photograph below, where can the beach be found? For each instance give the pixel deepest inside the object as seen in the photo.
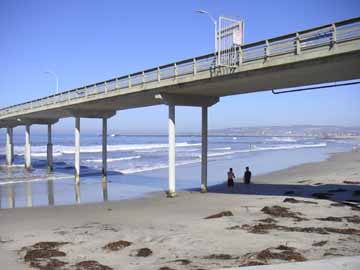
(156, 232)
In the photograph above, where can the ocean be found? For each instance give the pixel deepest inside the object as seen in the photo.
(137, 165)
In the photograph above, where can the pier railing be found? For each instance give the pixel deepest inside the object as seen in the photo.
(294, 43)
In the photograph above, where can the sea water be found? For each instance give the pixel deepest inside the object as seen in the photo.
(137, 165)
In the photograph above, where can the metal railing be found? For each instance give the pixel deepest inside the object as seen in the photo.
(295, 43)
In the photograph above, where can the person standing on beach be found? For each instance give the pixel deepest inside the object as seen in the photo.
(231, 177)
(247, 176)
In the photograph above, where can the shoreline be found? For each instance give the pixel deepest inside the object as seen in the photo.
(179, 236)
(297, 173)
(337, 163)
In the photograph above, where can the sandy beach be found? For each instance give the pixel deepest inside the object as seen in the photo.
(303, 213)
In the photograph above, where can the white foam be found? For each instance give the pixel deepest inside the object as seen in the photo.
(258, 149)
(282, 139)
(220, 148)
(255, 149)
(113, 159)
(58, 150)
(156, 167)
(52, 178)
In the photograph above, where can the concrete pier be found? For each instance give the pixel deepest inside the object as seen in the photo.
(204, 148)
(104, 148)
(77, 150)
(27, 154)
(49, 150)
(9, 146)
(172, 151)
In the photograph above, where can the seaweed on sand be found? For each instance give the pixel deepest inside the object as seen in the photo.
(221, 214)
(40, 255)
(91, 265)
(293, 200)
(118, 245)
(262, 228)
(282, 252)
(279, 211)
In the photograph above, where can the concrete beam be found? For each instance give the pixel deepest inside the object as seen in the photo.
(35, 121)
(91, 113)
(187, 100)
(8, 123)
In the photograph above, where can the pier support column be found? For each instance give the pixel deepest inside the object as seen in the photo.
(104, 148)
(27, 148)
(77, 150)
(171, 192)
(9, 147)
(204, 148)
(49, 150)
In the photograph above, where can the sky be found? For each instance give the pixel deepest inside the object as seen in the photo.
(86, 41)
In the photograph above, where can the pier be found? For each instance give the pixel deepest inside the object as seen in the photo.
(325, 54)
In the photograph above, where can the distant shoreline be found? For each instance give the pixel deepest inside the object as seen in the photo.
(232, 135)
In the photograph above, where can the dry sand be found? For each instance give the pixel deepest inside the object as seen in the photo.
(180, 237)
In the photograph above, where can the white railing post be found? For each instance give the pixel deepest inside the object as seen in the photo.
(333, 41)
(194, 66)
(297, 44)
(158, 74)
(240, 55)
(175, 71)
(267, 49)
(129, 81)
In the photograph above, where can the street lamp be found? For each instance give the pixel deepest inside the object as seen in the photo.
(215, 25)
(56, 78)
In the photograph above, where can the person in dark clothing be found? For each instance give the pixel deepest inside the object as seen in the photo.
(247, 176)
(231, 176)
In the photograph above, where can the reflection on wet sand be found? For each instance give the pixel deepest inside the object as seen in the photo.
(50, 190)
(11, 196)
(77, 192)
(25, 193)
(104, 184)
(29, 200)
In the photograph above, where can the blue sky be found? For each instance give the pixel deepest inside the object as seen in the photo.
(87, 41)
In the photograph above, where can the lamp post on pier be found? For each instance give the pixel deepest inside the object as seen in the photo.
(56, 78)
(215, 29)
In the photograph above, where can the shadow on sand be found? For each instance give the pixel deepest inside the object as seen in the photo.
(333, 192)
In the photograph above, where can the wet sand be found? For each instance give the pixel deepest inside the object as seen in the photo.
(175, 233)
